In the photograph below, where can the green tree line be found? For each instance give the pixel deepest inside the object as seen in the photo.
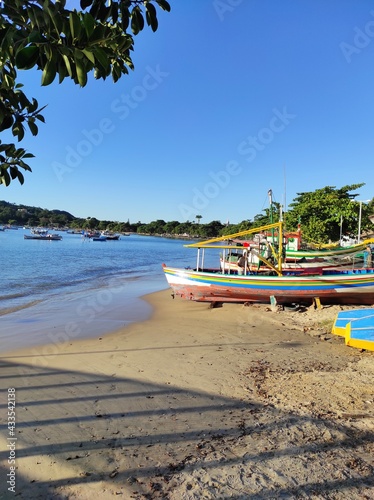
(323, 215)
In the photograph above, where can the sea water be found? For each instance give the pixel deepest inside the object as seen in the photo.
(56, 291)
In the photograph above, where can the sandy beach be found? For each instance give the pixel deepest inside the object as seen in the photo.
(195, 403)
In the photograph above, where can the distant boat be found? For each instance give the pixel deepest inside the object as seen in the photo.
(110, 236)
(99, 238)
(42, 234)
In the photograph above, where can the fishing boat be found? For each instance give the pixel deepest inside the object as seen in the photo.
(348, 251)
(302, 265)
(110, 236)
(272, 283)
(294, 251)
(42, 234)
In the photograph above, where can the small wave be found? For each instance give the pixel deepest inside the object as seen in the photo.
(11, 296)
(10, 310)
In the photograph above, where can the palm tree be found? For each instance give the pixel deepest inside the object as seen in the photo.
(198, 217)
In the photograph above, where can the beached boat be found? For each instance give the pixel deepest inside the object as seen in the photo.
(271, 284)
(310, 261)
(295, 252)
(303, 265)
(333, 253)
(42, 234)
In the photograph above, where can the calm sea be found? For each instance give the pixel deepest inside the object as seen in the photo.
(55, 291)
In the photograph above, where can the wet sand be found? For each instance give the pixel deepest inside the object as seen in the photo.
(195, 402)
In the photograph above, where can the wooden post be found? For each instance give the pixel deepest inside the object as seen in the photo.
(317, 303)
(273, 303)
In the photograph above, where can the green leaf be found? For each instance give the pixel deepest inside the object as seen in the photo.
(85, 3)
(75, 25)
(27, 57)
(164, 5)
(13, 172)
(5, 177)
(19, 153)
(151, 16)
(81, 72)
(33, 107)
(127, 42)
(49, 73)
(89, 24)
(33, 128)
(36, 37)
(18, 130)
(137, 21)
(61, 70)
(20, 176)
(102, 58)
(7, 122)
(24, 165)
(52, 14)
(89, 55)
(40, 118)
(125, 17)
(98, 33)
(67, 64)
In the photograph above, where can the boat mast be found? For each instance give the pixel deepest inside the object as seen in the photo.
(270, 194)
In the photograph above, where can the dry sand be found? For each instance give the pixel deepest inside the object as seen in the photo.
(195, 403)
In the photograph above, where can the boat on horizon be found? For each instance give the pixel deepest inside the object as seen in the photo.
(42, 234)
(272, 283)
(101, 237)
(109, 235)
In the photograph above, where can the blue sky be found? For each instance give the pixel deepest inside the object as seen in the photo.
(228, 99)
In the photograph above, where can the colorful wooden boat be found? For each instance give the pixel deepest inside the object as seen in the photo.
(339, 252)
(310, 265)
(329, 286)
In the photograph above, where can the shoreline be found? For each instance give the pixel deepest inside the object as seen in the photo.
(229, 402)
(84, 314)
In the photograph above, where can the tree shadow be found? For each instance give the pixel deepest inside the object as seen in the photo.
(135, 437)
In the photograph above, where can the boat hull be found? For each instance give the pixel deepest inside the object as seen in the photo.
(351, 251)
(354, 287)
(48, 237)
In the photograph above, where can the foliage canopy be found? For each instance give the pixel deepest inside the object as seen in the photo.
(61, 43)
(329, 213)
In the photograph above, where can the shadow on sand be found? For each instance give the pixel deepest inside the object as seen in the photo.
(135, 438)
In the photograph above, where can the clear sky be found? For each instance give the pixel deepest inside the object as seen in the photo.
(228, 99)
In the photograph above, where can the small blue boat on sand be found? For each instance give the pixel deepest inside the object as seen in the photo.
(357, 327)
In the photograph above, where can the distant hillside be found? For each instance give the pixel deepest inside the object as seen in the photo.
(24, 215)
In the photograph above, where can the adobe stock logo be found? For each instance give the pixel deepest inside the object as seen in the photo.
(201, 197)
(248, 149)
(254, 144)
(361, 39)
(121, 108)
(225, 6)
